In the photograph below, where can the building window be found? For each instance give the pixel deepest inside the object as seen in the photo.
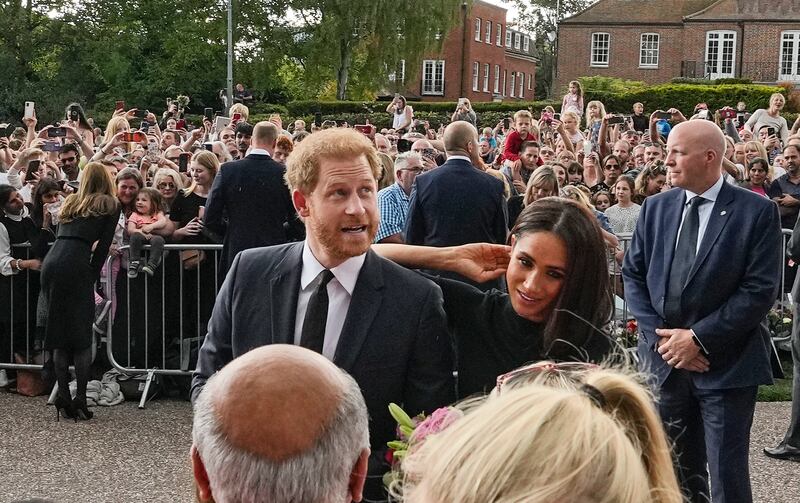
(488, 38)
(486, 77)
(399, 75)
(477, 29)
(720, 54)
(648, 50)
(505, 74)
(790, 56)
(601, 43)
(517, 37)
(513, 83)
(496, 79)
(521, 85)
(508, 37)
(530, 82)
(526, 43)
(475, 70)
(499, 34)
(433, 77)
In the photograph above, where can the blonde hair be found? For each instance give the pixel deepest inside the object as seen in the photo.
(542, 176)
(176, 178)
(573, 115)
(762, 153)
(387, 166)
(240, 108)
(115, 125)
(577, 195)
(600, 107)
(96, 195)
(303, 166)
(27, 155)
(208, 160)
(550, 437)
(522, 114)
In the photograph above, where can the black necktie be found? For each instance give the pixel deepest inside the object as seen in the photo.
(682, 262)
(312, 335)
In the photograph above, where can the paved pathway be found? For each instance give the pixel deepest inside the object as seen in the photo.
(127, 455)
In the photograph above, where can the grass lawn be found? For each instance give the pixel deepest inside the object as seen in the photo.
(781, 390)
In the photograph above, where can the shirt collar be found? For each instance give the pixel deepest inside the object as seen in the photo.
(711, 194)
(459, 157)
(18, 218)
(345, 273)
(258, 151)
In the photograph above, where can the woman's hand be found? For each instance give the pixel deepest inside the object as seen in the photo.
(193, 228)
(481, 262)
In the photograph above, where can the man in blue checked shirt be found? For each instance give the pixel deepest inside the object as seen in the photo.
(393, 200)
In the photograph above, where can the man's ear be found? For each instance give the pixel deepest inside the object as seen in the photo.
(300, 202)
(200, 477)
(358, 476)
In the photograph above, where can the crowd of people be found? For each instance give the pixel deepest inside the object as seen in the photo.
(404, 254)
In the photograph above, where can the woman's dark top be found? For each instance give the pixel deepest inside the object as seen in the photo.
(515, 207)
(492, 339)
(184, 209)
(69, 272)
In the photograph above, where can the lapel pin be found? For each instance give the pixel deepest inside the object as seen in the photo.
(722, 213)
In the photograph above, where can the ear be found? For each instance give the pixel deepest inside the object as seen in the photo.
(200, 477)
(300, 202)
(513, 240)
(358, 476)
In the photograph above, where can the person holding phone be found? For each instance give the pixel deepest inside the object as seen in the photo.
(770, 116)
(464, 112)
(402, 114)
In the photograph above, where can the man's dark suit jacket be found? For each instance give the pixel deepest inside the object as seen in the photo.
(456, 204)
(250, 204)
(394, 341)
(730, 288)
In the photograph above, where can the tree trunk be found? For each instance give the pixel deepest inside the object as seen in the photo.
(344, 68)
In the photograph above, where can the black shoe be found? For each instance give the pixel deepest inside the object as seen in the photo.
(67, 406)
(82, 412)
(783, 451)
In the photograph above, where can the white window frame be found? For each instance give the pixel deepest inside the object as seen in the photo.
(530, 82)
(476, 68)
(477, 29)
(526, 43)
(488, 38)
(486, 69)
(497, 79)
(513, 84)
(649, 47)
(499, 35)
(521, 78)
(517, 40)
(402, 67)
(505, 78)
(595, 48)
(508, 37)
(793, 37)
(434, 64)
(721, 36)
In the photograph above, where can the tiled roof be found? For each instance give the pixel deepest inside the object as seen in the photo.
(751, 10)
(638, 11)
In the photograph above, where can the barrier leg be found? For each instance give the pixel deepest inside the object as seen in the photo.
(143, 400)
(52, 397)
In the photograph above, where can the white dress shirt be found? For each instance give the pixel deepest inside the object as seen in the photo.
(462, 157)
(5, 244)
(703, 211)
(257, 151)
(340, 291)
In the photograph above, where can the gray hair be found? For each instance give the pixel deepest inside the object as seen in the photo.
(321, 474)
(226, 156)
(401, 161)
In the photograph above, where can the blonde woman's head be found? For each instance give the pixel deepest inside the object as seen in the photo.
(585, 435)
(116, 125)
(542, 183)
(240, 108)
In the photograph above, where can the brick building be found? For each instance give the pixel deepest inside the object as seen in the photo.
(657, 40)
(482, 59)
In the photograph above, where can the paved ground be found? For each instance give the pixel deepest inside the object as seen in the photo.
(127, 455)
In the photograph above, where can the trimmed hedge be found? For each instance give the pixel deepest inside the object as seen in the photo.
(685, 96)
(308, 108)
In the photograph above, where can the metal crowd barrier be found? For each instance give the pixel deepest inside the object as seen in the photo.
(12, 320)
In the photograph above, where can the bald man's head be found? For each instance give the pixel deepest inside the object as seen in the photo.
(695, 150)
(460, 137)
(281, 413)
(265, 134)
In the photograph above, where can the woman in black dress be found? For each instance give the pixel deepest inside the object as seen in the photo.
(559, 300)
(87, 223)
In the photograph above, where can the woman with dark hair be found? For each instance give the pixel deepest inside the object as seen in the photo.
(402, 114)
(47, 201)
(69, 273)
(650, 181)
(757, 178)
(76, 118)
(558, 299)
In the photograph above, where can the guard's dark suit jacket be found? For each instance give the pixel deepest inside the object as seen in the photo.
(394, 341)
(250, 204)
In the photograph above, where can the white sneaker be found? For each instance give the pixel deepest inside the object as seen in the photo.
(3, 378)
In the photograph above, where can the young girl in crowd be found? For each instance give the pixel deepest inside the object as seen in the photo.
(595, 111)
(601, 200)
(573, 100)
(147, 217)
(756, 178)
(571, 122)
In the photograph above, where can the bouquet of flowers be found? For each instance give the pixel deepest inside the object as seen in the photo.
(627, 333)
(411, 432)
(780, 322)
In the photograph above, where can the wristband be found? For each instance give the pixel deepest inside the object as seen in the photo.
(19, 264)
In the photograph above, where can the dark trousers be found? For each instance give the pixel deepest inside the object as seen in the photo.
(792, 437)
(710, 430)
(138, 240)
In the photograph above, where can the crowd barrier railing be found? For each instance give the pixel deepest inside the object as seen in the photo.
(158, 323)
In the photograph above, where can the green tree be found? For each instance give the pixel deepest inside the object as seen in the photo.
(368, 36)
